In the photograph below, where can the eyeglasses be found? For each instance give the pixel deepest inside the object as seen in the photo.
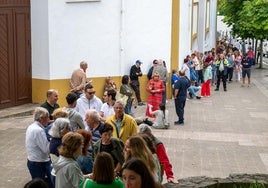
(90, 93)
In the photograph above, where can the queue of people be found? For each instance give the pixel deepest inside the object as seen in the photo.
(75, 145)
(72, 144)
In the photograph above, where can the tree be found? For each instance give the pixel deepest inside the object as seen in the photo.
(248, 18)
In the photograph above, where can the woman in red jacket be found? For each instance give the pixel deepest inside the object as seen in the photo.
(160, 152)
(155, 88)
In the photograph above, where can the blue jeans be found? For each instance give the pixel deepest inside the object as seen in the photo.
(41, 170)
(128, 108)
(193, 90)
(214, 74)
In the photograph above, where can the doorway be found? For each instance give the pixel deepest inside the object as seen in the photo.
(15, 53)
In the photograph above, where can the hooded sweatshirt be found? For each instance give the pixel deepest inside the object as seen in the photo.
(68, 173)
(76, 120)
(84, 104)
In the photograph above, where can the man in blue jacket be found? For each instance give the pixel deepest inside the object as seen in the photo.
(180, 94)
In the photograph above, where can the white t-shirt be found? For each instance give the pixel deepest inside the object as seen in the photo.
(159, 116)
(107, 110)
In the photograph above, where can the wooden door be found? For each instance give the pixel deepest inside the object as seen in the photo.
(15, 56)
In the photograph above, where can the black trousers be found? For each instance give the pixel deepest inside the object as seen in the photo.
(135, 84)
(230, 72)
(221, 76)
(179, 106)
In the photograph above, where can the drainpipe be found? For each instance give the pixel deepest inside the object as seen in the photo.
(121, 38)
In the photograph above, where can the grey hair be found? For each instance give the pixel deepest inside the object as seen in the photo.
(40, 112)
(144, 128)
(93, 115)
(120, 101)
(57, 127)
(83, 63)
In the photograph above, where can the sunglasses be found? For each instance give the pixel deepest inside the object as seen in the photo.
(90, 93)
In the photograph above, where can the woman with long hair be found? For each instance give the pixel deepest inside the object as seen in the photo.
(136, 174)
(136, 147)
(103, 173)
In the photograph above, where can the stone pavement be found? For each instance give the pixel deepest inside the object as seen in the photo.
(224, 134)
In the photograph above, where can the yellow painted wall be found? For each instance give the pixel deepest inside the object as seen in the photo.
(175, 34)
(40, 88)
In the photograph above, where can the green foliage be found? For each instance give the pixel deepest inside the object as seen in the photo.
(251, 185)
(248, 18)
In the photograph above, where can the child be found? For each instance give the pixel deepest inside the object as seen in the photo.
(161, 117)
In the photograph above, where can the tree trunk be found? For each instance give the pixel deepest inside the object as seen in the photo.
(261, 55)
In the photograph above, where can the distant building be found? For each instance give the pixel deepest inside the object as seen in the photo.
(223, 30)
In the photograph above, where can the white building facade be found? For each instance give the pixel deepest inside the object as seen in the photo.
(111, 35)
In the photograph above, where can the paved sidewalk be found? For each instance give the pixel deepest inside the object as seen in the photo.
(226, 133)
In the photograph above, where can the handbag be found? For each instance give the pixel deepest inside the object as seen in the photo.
(121, 97)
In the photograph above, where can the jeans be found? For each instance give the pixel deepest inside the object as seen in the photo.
(128, 108)
(214, 72)
(41, 170)
(193, 90)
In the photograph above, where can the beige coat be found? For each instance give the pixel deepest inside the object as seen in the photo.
(78, 80)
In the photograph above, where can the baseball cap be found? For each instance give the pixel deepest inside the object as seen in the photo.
(138, 61)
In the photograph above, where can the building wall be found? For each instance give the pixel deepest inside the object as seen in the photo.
(109, 35)
(184, 30)
(206, 32)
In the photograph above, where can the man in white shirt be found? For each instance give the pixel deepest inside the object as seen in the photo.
(107, 108)
(37, 146)
(88, 101)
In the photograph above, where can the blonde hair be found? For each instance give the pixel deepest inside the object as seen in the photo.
(139, 149)
(155, 73)
(70, 143)
(60, 112)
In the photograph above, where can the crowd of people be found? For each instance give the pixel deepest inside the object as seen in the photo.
(94, 142)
